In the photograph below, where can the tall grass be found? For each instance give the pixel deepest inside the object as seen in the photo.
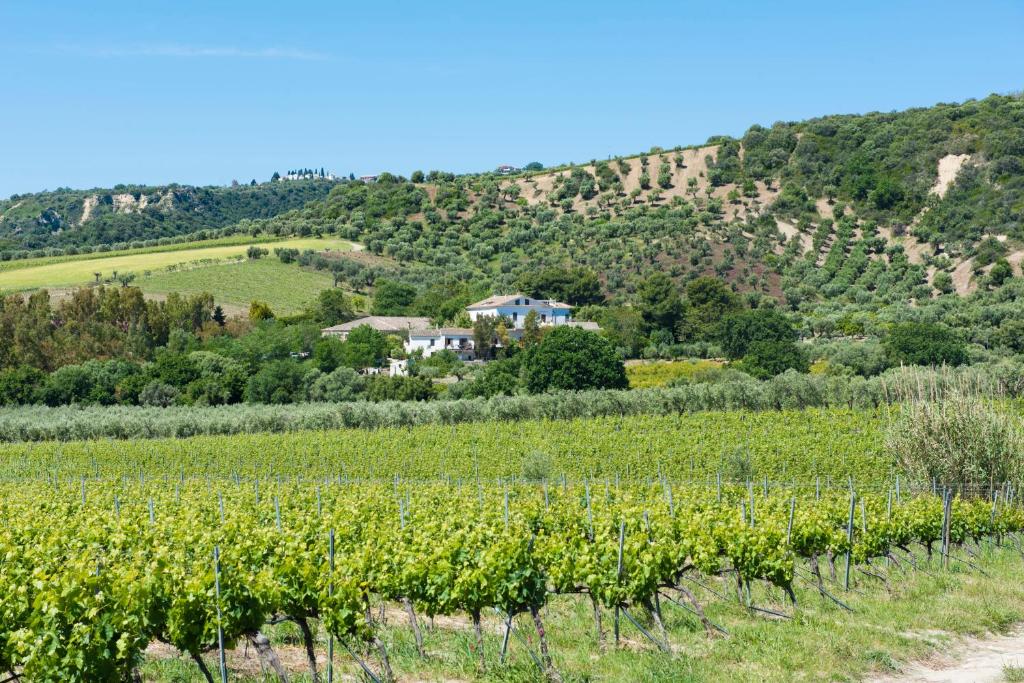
(959, 433)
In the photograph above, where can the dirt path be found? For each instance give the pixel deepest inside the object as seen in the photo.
(972, 660)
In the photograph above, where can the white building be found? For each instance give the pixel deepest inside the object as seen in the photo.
(456, 339)
(515, 307)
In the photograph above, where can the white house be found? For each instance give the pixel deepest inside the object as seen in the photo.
(515, 307)
(456, 339)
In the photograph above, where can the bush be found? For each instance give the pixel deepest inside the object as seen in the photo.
(382, 388)
(20, 385)
(537, 466)
(158, 395)
(961, 440)
(569, 358)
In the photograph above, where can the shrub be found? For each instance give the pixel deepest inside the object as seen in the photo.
(158, 395)
(537, 466)
(384, 388)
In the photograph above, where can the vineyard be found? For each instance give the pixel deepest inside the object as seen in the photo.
(799, 445)
(530, 550)
(97, 569)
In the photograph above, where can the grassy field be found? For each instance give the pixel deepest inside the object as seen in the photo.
(21, 264)
(659, 373)
(286, 287)
(80, 270)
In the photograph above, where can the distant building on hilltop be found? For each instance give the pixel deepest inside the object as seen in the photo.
(506, 169)
(307, 174)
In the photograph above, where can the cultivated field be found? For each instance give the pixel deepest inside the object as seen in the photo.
(719, 546)
(70, 271)
(286, 287)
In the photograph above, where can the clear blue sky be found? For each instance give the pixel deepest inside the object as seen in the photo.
(97, 93)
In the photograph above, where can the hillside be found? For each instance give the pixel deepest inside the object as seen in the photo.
(857, 210)
(66, 218)
(881, 206)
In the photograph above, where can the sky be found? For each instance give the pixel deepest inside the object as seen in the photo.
(93, 94)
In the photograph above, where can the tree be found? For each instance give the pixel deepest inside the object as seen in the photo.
(531, 330)
(329, 353)
(333, 307)
(260, 310)
(1001, 272)
(575, 286)
(343, 384)
(740, 330)
(20, 385)
(218, 315)
(280, 381)
(709, 300)
(485, 335)
(665, 176)
(275, 177)
(254, 252)
(417, 177)
(570, 358)
(660, 303)
(392, 298)
(943, 282)
(400, 389)
(924, 344)
(500, 377)
(765, 359)
(534, 166)
(623, 326)
(365, 347)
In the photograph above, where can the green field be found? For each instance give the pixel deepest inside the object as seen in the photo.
(659, 373)
(286, 287)
(370, 541)
(792, 445)
(72, 271)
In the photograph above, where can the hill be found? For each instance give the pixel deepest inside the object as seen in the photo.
(881, 206)
(69, 219)
(851, 210)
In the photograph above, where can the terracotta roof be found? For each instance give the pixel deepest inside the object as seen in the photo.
(382, 323)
